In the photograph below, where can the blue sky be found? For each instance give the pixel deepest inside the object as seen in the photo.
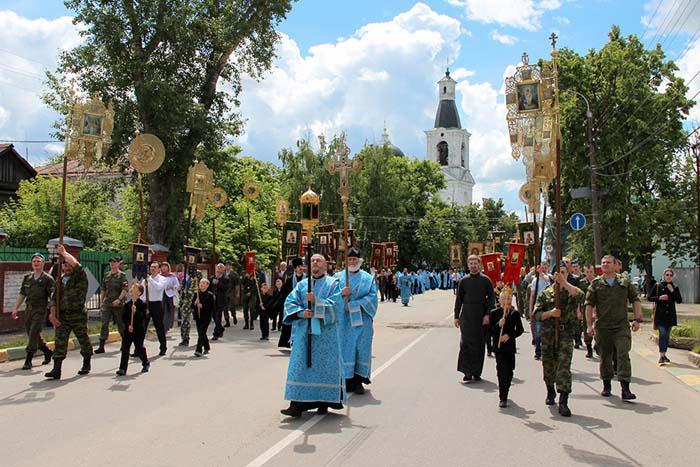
(352, 65)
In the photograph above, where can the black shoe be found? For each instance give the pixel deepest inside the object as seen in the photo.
(666, 359)
(564, 405)
(662, 361)
(467, 378)
(134, 355)
(577, 346)
(28, 361)
(227, 325)
(627, 395)
(183, 344)
(589, 351)
(476, 378)
(252, 328)
(551, 395)
(55, 373)
(215, 338)
(359, 388)
(538, 357)
(246, 326)
(323, 410)
(48, 354)
(292, 412)
(503, 403)
(206, 351)
(121, 372)
(607, 388)
(86, 366)
(146, 366)
(162, 352)
(197, 353)
(235, 322)
(101, 347)
(489, 354)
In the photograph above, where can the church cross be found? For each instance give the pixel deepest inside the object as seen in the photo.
(553, 39)
(342, 164)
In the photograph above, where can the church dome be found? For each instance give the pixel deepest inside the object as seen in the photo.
(392, 147)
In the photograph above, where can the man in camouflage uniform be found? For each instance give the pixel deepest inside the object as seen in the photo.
(521, 297)
(557, 353)
(112, 297)
(71, 314)
(586, 280)
(232, 295)
(187, 292)
(608, 295)
(36, 289)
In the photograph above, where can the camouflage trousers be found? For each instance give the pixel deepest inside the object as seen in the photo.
(614, 343)
(110, 313)
(34, 323)
(76, 322)
(556, 359)
(185, 325)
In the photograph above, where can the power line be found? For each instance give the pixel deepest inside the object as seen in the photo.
(25, 58)
(33, 141)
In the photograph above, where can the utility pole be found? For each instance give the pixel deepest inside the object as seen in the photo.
(696, 153)
(597, 247)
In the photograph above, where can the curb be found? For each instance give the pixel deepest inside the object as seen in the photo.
(18, 353)
(687, 376)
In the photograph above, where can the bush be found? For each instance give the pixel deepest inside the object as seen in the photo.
(696, 349)
(687, 329)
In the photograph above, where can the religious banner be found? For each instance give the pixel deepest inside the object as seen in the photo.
(492, 266)
(497, 241)
(324, 234)
(528, 234)
(192, 258)
(516, 256)
(340, 244)
(377, 255)
(456, 255)
(139, 261)
(291, 239)
(305, 241)
(390, 254)
(475, 248)
(250, 262)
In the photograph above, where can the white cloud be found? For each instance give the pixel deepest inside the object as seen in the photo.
(688, 66)
(562, 20)
(461, 73)
(523, 14)
(504, 39)
(383, 71)
(29, 47)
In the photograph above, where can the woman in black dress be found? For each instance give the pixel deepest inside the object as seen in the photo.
(665, 295)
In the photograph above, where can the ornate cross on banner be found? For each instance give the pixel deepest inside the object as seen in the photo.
(342, 164)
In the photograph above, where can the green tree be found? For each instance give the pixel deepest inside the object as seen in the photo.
(163, 64)
(33, 218)
(638, 105)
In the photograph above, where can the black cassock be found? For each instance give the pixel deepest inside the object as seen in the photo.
(475, 298)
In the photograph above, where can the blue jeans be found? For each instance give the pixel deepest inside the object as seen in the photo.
(538, 338)
(664, 335)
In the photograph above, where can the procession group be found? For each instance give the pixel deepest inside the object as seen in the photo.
(326, 318)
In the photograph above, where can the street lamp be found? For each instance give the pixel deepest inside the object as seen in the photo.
(597, 247)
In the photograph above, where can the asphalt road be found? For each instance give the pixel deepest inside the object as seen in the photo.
(223, 409)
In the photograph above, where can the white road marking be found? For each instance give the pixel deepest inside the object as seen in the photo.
(266, 456)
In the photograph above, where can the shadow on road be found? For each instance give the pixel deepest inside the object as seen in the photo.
(593, 458)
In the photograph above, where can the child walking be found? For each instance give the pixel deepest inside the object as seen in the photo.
(505, 351)
(134, 318)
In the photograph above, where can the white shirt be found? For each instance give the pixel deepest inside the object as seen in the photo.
(156, 286)
(172, 285)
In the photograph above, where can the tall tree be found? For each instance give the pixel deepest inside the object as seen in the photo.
(164, 65)
(638, 105)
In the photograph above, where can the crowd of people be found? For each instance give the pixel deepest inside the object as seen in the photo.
(326, 318)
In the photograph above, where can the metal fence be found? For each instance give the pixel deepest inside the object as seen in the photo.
(97, 262)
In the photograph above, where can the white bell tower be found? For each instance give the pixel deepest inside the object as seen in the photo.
(448, 145)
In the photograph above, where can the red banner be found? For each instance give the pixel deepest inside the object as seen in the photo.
(492, 266)
(377, 255)
(389, 254)
(516, 256)
(250, 262)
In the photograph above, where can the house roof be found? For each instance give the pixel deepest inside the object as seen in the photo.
(9, 149)
(76, 170)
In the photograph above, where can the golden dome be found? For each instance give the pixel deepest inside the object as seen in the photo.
(310, 197)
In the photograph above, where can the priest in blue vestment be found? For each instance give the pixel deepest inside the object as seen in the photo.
(357, 324)
(319, 386)
(405, 283)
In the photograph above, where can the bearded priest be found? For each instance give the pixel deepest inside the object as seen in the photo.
(360, 307)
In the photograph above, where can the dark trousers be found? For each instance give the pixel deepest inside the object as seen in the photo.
(135, 338)
(218, 315)
(285, 335)
(264, 323)
(156, 312)
(505, 364)
(249, 310)
(382, 292)
(489, 341)
(202, 339)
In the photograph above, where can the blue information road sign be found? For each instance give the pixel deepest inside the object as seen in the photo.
(578, 221)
